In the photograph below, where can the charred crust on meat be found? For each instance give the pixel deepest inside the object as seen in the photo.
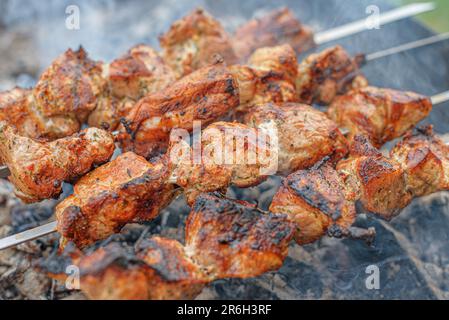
(230, 87)
(72, 225)
(239, 218)
(127, 124)
(362, 146)
(372, 168)
(315, 188)
(115, 254)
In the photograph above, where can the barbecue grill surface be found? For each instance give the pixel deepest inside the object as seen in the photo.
(411, 252)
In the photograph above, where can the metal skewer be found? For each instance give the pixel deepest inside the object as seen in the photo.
(407, 46)
(48, 228)
(28, 235)
(384, 18)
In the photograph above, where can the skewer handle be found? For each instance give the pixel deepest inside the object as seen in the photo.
(28, 235)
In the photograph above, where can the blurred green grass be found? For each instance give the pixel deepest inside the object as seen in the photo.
(437, 20)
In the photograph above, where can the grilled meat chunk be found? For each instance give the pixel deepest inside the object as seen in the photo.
(380, 114)
(235, 239)
(131, 77)
(70, 86)
(127, 189)
(305, 135)
(323, 76)
(316, 201)
(277, 59)
(139, 72)
(425, 159)
(205, 95)
(18, 109)
(157, 269)
(39, 168)
(278, 27)
(378, 182)
(109, 111)
(193, 41)
(14, 109)
(230, 154)
(269, 77)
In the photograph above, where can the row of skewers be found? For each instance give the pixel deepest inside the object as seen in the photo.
(138, 99)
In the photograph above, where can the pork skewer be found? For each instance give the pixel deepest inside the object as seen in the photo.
(344, 113)
(332, 72)
(272, 75)
(132, 177)
(191, 41)
(130, 78)
(4, 172)
(233, 239)
(105, 92)
(224, 239)
(38, 169)
(371, 157)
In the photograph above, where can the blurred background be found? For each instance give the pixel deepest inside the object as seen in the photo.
(437, 20)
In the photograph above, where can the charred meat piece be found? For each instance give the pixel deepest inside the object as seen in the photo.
(18, 109)
(305, 135)
(278, 27)
(70, 86)
(174, 275)
(323, 76)
(230, 154)
(425, 159)
(377, 181)
(39, 168)
(316, 201)
(127, 189)
(157, 269)
(380, 114)
(131, 77)
(193, 41)
(269, 77)
(205, 95)
(235, 239)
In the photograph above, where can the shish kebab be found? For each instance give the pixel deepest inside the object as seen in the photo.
(39, 169)
(191, 40)
(105, 92)
(59, 181)
(280, 26)
(227, 238)
(131, 189)
(141, 51)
